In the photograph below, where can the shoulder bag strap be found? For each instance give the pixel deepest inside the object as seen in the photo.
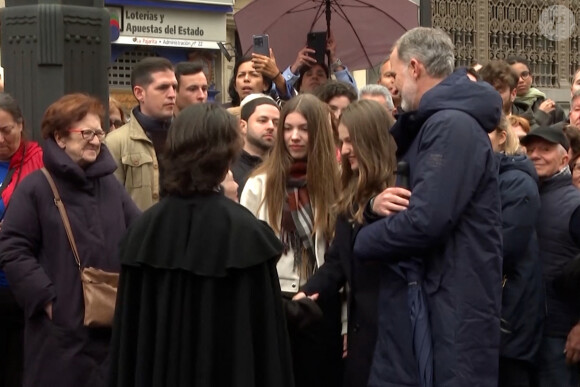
(63, 215)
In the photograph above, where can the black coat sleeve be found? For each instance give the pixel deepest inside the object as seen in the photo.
(440, 192)
(520, 201)
(331, 276)
(567, 284)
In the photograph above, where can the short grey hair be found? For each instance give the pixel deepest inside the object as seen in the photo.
(378, 90)
(430, 46)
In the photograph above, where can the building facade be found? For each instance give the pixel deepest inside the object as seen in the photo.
(180, 30)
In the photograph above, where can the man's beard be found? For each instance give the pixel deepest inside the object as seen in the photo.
(259, 143)
(407, 94)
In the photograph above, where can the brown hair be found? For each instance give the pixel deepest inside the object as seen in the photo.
(499, 74)
(368, 125)
(141, 74)
(573, 134)
(322, 176)
(202, 142)
(68, 110)
(113, 103)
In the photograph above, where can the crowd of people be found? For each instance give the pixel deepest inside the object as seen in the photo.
(423, 231)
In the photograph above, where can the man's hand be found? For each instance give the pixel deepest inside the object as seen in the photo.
(572, 349)
(266, 65)
(547, 106)
(303, 59)
(391, 201)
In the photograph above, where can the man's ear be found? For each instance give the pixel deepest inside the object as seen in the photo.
(139, 93)
(416, 68)
(514, 94)
(565, 159)
(244, 127)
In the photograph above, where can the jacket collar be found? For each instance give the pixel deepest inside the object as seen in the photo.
(60, 164)
(141, 125)
(559, 180)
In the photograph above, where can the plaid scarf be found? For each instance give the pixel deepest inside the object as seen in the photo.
(298, 221)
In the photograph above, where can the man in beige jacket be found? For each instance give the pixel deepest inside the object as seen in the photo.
(135, 145)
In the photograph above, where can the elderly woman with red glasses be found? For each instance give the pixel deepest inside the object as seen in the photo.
(37, 258)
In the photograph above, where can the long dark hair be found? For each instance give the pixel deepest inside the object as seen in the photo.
(232, 86)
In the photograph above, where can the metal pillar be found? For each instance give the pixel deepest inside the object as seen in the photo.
(51, 48)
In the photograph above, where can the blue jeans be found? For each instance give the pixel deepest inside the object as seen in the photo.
(552, 369)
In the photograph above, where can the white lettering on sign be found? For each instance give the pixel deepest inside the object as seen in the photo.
(167, 42)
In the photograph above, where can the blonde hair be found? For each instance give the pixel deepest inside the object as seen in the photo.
(322, 176)
(512, 143)
(368, 125)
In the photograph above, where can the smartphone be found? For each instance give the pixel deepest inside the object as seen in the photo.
(317, 42)
(261, 44)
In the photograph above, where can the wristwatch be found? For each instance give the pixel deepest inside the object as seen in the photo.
(336, 64)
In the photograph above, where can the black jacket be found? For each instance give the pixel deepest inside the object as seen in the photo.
(40, 266)
(363, 280)
(522, 299)
(242, 168)
(199, 300)
(522, 110)
(559, 245)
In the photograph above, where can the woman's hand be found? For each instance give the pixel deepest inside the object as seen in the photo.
(301, 295)
(266, 65)
(230, 187)
(48, 310)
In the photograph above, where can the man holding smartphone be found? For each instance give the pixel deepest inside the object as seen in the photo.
(285, 81)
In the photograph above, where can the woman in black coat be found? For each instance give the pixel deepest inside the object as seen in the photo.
(365, 145)
(37, 257)
(522, 296)
(199, 299)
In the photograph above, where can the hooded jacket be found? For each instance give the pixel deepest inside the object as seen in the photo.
(453, 226)
(522, 299)
(36, 255)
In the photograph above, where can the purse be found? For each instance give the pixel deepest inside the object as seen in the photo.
(99, 286)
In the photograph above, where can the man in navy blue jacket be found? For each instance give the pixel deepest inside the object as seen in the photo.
(445, 248)
(558, 231)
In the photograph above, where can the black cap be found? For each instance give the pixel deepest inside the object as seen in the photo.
(553, 134)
